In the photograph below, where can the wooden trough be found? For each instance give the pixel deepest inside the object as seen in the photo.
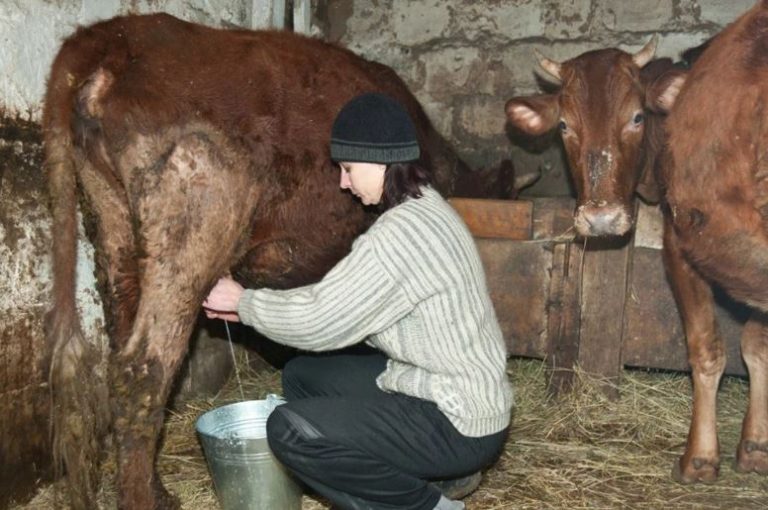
(603, 305)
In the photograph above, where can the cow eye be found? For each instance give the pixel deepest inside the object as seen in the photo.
(638, 118)
(562, 126)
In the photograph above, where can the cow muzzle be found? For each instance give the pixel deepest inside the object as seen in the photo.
(596, 219)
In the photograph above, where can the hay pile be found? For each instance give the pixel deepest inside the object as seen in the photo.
(582, 451)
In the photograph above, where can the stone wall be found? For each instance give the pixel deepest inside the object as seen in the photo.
(464, 58)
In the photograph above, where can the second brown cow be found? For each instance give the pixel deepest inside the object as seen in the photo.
(713, 165)
(716, 176)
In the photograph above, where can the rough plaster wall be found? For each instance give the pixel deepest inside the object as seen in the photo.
(464, 58)
(25, 285)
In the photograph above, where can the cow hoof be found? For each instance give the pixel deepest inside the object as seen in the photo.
(696, 471)
(752, 457)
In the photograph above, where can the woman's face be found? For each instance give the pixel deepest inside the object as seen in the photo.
(364, 180)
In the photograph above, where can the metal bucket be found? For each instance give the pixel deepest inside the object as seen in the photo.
(246, 474)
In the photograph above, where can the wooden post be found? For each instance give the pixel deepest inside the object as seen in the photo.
(563, 316)
(603, 297)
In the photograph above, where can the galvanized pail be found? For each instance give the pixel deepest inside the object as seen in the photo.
(244, 471)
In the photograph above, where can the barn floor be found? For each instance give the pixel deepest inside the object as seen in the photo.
(578, 452)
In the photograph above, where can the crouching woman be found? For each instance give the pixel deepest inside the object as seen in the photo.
(410, 423)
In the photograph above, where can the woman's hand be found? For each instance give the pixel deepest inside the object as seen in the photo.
(223, 299)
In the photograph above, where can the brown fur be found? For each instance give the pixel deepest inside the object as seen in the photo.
(711, 162)
(715, 175)
(197, 151)
(609, 158)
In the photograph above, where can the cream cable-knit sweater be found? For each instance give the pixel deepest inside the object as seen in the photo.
(413, 286)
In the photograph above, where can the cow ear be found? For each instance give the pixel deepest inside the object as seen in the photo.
(534, 115)
(661, 95)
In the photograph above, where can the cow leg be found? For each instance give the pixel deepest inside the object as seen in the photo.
(109, 223)
(191, 213)
(752, 453)
(81, 409)
(706, 355)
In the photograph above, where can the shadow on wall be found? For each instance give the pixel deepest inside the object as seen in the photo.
(544, 154)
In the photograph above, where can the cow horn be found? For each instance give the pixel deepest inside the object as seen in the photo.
(550, 66)
(645, 55)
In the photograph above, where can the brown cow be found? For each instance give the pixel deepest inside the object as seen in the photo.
(716, 176)
(594, 91)
(609, 137)
(197, 151)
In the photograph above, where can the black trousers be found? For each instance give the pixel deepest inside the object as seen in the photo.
(363, 448)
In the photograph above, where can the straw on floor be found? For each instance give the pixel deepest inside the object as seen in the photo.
(577, 452)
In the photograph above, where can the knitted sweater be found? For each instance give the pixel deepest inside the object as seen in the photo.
(412, 286)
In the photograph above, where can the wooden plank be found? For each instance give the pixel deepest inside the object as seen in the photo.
(603, 294)
(496, 219)
(553, 219)
(563, 317)
(518, 279)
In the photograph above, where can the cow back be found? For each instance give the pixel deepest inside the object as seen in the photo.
(718, 129)
(273, 93)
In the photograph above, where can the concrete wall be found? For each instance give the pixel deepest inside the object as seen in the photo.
(464, 58)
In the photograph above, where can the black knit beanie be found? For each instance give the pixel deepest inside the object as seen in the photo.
(374, 128)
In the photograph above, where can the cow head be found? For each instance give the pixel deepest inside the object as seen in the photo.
(599, 110)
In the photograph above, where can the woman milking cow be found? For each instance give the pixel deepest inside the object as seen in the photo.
(409, 421)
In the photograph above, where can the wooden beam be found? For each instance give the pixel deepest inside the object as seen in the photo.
(518, 277)
(496, 219)
(563, 317)
(603, 297)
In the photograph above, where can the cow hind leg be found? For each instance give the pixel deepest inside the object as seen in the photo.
(79, 412)
(752, 452)
(701, 460)
(191, 217)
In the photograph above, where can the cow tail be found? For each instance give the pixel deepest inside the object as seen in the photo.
(79, 406)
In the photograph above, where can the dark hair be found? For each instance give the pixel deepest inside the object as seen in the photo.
(403, 180)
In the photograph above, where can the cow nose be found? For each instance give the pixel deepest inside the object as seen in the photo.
(602, 220)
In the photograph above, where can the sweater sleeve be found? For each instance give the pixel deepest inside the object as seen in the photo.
(356, 298)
